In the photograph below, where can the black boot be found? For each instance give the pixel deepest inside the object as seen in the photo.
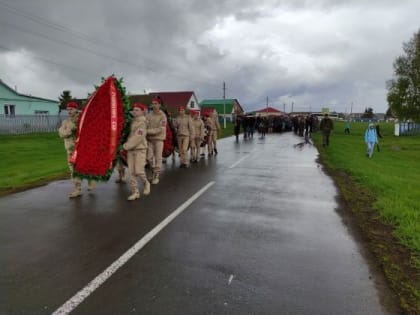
(215, 151)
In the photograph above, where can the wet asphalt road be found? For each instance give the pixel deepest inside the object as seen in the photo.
(266, 238)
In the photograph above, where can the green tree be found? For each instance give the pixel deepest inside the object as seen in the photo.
(389, 113)
(404, 89)
(64, 98)
(368, 113)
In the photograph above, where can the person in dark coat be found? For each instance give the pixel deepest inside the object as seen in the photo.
(326, 126)
(237, 127)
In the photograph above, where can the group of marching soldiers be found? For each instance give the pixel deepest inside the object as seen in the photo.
(149, 134)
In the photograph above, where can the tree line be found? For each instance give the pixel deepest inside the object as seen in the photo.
(404, 88)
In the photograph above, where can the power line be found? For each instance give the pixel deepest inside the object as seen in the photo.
(48, 23)
(72, 46)
(79, 34)
(50, 61)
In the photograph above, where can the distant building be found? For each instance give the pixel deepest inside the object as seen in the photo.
(13, 103)
(170, 100)
(268, 111)
(224, 107)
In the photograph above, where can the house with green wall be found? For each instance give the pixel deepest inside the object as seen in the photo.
(13, 103)
(224, 107)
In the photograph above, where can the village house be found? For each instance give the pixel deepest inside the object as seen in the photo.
(226, 108)
(268, 111)
(170, 100)
(13, 103)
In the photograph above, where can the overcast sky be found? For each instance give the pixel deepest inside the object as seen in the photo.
(314, 54)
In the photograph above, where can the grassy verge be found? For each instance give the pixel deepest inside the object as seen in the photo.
(383, 194)
(30, 160)
(226, 132)
(35, 159)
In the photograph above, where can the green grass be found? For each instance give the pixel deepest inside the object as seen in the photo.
(392, 175)
(29, 160)
(226, 132)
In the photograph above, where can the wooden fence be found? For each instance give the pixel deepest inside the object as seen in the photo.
(22, 124)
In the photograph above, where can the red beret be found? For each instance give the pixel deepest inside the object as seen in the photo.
(72, 105)
(141, 106)
(157, 99)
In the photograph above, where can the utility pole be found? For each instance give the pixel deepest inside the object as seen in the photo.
(267, 104)
(351, 110)
(224, 105)
(292, 107)
(284, 107)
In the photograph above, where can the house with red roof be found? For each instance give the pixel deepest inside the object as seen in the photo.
(225, 108)
(268, 111)
(171, 101)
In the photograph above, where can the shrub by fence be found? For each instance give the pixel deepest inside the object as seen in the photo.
(23, 124)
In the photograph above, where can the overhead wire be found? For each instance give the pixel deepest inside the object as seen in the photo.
(50, 61)
(84, 36)
(48, 23)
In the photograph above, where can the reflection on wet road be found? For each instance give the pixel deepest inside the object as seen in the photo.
(264, 238)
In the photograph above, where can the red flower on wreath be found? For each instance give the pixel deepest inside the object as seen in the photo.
(99, 132)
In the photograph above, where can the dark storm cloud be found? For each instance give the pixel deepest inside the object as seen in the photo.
(308, 52)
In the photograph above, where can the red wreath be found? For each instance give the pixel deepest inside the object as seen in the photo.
(99, 132)
(168, 143)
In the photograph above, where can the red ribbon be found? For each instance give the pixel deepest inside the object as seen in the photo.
(114, 121)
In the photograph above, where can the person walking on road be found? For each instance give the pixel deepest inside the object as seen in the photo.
(198, 136)
(237, 127)
(371, 138)
(136, 147)
(184, 131)
(212, 134)
(326, 126)
(156, 134)
(215, 128)
(67, 131)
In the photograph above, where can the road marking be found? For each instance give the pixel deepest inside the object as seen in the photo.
(80, 296)
(230, 279)
(238, 161)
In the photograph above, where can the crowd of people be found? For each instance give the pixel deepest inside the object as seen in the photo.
(251, 124)
(153, 137)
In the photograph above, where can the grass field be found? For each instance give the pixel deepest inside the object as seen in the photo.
(32, 159)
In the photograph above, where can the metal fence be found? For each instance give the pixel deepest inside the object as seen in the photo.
(22, 124)
(407, 129)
